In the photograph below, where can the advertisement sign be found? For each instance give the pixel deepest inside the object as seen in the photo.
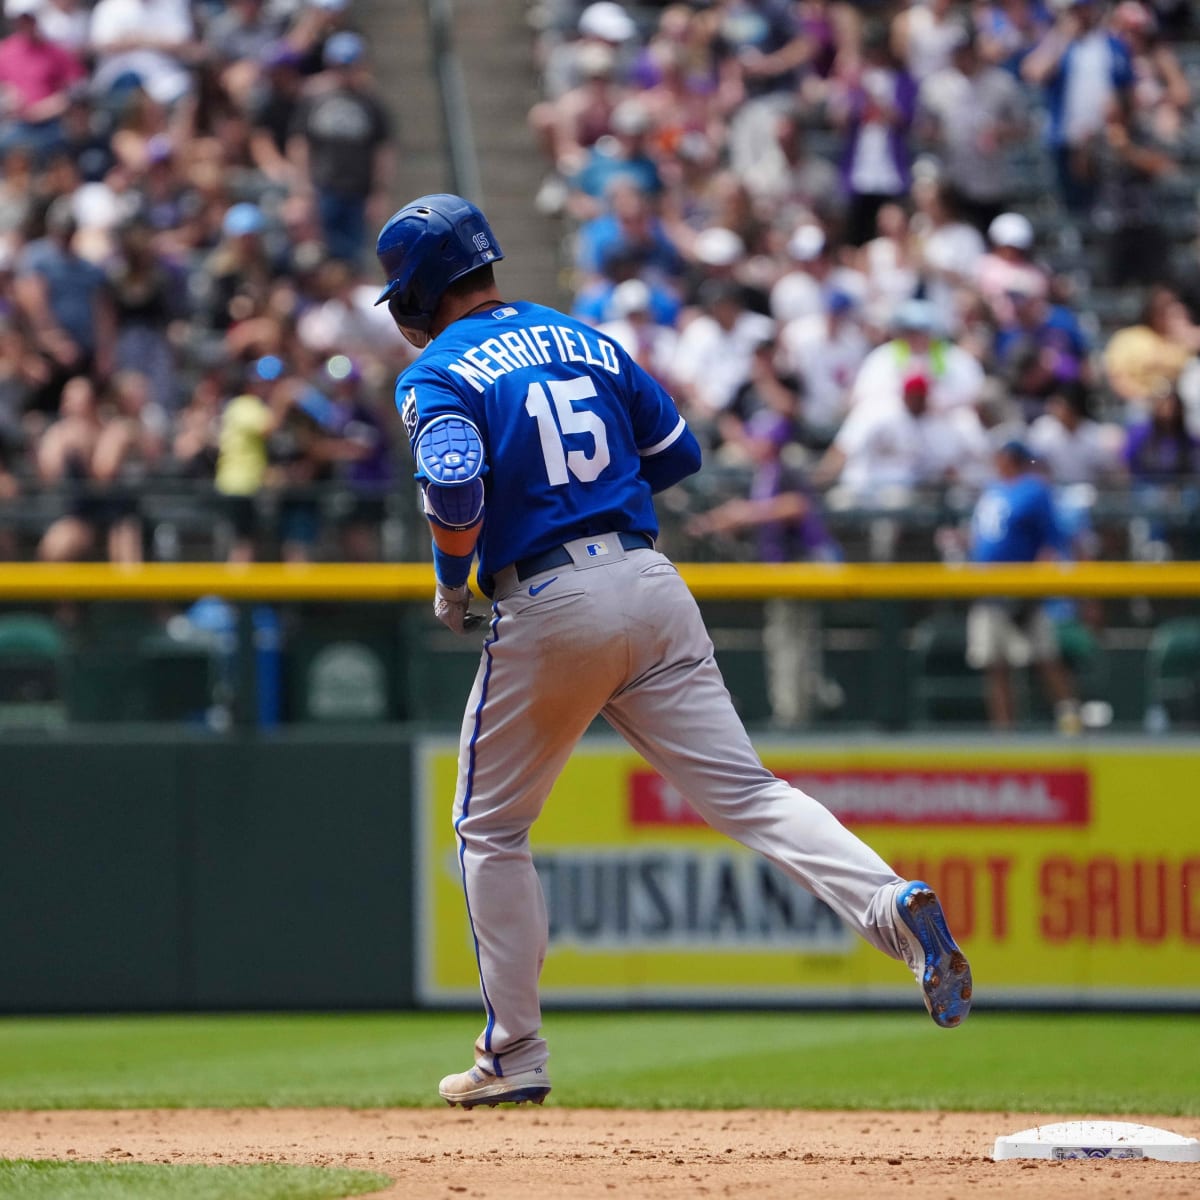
(1070, 874)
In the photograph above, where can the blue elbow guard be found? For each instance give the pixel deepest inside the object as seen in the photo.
(449, 451)
(453, 506)
(449, 454)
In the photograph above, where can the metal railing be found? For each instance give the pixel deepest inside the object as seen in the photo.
(452, 94)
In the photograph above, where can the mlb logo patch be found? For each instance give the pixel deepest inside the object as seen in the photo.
(596, 549)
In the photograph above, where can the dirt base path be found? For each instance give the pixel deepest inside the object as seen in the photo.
(511, 1153)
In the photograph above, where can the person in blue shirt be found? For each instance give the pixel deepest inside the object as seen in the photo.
(621, 154)
(67, 303)
(539, 446)
(1043, 349)
(594, 301)
(628, 228)
(1016, 521)
(1081, 65)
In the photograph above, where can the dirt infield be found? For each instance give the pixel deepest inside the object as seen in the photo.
(506, 1153)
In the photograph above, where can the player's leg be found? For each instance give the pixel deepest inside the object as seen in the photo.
(539, 685)
(679, 716)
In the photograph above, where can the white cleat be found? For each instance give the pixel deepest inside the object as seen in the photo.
(479, 1087)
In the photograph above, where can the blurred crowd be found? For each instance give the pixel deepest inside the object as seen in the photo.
(864, 245)
(188, 199)
(868, 245)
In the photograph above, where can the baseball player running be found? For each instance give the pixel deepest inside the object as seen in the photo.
(539, 445)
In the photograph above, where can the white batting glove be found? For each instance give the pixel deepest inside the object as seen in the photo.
(451, 607)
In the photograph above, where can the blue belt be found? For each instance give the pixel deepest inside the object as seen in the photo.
(560, 556)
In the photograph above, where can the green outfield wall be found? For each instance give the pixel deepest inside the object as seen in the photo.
(156, 872)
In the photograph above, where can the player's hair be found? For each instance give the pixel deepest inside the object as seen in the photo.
(472, 281)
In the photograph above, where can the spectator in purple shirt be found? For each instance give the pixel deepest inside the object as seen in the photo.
(1160, 450)
(875, 111)
(1164, 462)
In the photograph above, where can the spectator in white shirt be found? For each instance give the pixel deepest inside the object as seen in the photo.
(890, 264)
(797, 293)
(1081, 65)
(712, 359)
(1073, 447)
(632, 327)
(924, 36)
(150, 39)
(949, 250)
(824, 352)
(800, 292)
(884, 451)
(1078, 455)
(974, 111)
(918, 347)
(784, 174)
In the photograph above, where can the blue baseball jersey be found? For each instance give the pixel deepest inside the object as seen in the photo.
(565, 417)
(1014, 521)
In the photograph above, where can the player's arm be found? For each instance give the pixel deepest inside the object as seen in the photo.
(667, 448)
(675, 458)
(450, 468)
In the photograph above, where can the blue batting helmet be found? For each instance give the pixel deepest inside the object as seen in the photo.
(424, 248)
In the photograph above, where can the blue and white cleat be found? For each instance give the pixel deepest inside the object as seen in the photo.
(479, 1087)
(940, 967)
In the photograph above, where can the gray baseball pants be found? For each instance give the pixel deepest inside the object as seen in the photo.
(620, 634)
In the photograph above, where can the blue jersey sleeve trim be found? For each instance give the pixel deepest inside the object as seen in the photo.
(669, 440)
(680, 459)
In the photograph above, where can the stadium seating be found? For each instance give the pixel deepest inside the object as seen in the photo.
(33, 670)
(943, 689)
(1173, 672)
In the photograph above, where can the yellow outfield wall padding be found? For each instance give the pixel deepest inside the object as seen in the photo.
(709, 581)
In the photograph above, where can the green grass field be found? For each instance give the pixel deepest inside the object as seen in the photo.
(30, 1180)
(1109, 1064)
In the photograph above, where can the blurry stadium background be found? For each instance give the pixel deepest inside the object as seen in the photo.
(865, 245)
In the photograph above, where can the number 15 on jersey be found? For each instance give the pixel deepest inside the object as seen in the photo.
(559, 461)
